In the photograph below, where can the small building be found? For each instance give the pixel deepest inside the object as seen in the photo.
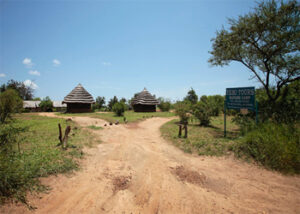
(79, 100)
(59, 106)
(31, 106)
(144, 102)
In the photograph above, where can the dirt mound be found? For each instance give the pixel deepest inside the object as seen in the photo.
(121, 183)
(187, 175)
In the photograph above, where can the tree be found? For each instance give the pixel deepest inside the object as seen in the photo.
(10, 103)
(182, 109)
(203, 111)
(191, 96)
(119, 108)
(46, 104)
(100, 102)
(111, 102)
(266, 41)
(25, 92)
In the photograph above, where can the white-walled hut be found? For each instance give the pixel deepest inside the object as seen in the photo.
(144, 102)
(79, 100)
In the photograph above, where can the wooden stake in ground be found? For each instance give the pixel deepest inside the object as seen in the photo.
(63, 140)
(185, 131)
(180, 130)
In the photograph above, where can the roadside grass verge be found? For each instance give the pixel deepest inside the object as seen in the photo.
(203, 140)
(94, 127)
(38, 155)
(130, 116)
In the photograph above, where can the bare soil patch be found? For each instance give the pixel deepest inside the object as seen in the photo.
(157, 177)
(121, 183)
(187, 175)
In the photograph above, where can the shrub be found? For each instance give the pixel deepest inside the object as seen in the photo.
(46, 104)
(119, 108)
(276, 146)
(10, 103)
(164, 105)
(182, 109)
(202, 112)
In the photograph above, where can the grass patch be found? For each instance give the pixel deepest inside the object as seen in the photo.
(203, 140)
(38, 155)
(95, 127)
(130, 116)
(276, 146)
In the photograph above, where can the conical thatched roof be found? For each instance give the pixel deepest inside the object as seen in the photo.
(79, 95)
(144, 98)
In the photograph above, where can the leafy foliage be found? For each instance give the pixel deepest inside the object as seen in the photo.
(183, 110)
(24, 92)
(191, 96)
(164, 105)
(100, 102)
(276, 146)
(266, 41)
(112, 102)
(10, 103)
(202, 112)
(46, 104)
(119, 108)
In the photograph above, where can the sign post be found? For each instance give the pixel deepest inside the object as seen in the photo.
(240, 98)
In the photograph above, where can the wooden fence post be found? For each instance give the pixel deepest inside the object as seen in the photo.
(185, 131)
(180, 129)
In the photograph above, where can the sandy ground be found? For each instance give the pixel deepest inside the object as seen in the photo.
(134, 170)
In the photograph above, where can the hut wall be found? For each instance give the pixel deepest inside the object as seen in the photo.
(78, 107)
(144, 108)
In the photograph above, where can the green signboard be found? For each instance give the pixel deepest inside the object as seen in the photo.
(240, 98)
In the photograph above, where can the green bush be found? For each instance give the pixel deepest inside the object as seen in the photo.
(10, 103)
(119, 108)
(46, 104)
(164, 105)
(182, 109)
(202, 112)
(276, 146)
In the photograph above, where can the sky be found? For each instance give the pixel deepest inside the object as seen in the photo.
(118, 47)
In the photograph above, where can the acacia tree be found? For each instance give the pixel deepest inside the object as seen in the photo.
(267, 42)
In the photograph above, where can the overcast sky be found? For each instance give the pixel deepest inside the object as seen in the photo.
(117, 47)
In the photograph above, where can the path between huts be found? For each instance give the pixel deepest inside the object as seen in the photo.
(134, 170)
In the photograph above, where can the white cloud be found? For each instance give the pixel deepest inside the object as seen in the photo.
(27, 62)
(30, 84)
(56, 62)
(36, 73)
(106, 63)
(2, 75)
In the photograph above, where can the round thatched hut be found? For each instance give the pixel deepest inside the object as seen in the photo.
(144, 102)
(79, 100)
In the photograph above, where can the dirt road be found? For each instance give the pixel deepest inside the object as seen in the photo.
(135, 171)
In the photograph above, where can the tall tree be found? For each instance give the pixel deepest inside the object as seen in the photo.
(100, 101)
(25, 92)
(191, 96)
(112, 101)
(267, 42)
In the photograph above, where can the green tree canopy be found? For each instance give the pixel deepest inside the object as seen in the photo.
(100, 102)
(191, 96)
(266, 41)
(10, 103)
(46, 104)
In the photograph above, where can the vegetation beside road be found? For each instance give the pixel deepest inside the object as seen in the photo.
(35, 154)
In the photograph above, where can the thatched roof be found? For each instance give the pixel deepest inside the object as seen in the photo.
(31, 104)
(79, 95)
(144, 98)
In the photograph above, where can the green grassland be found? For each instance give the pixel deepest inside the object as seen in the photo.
(37, 154)
(130, 116)
(203, 140)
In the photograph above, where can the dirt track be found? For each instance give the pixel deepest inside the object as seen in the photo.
(135, 171)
